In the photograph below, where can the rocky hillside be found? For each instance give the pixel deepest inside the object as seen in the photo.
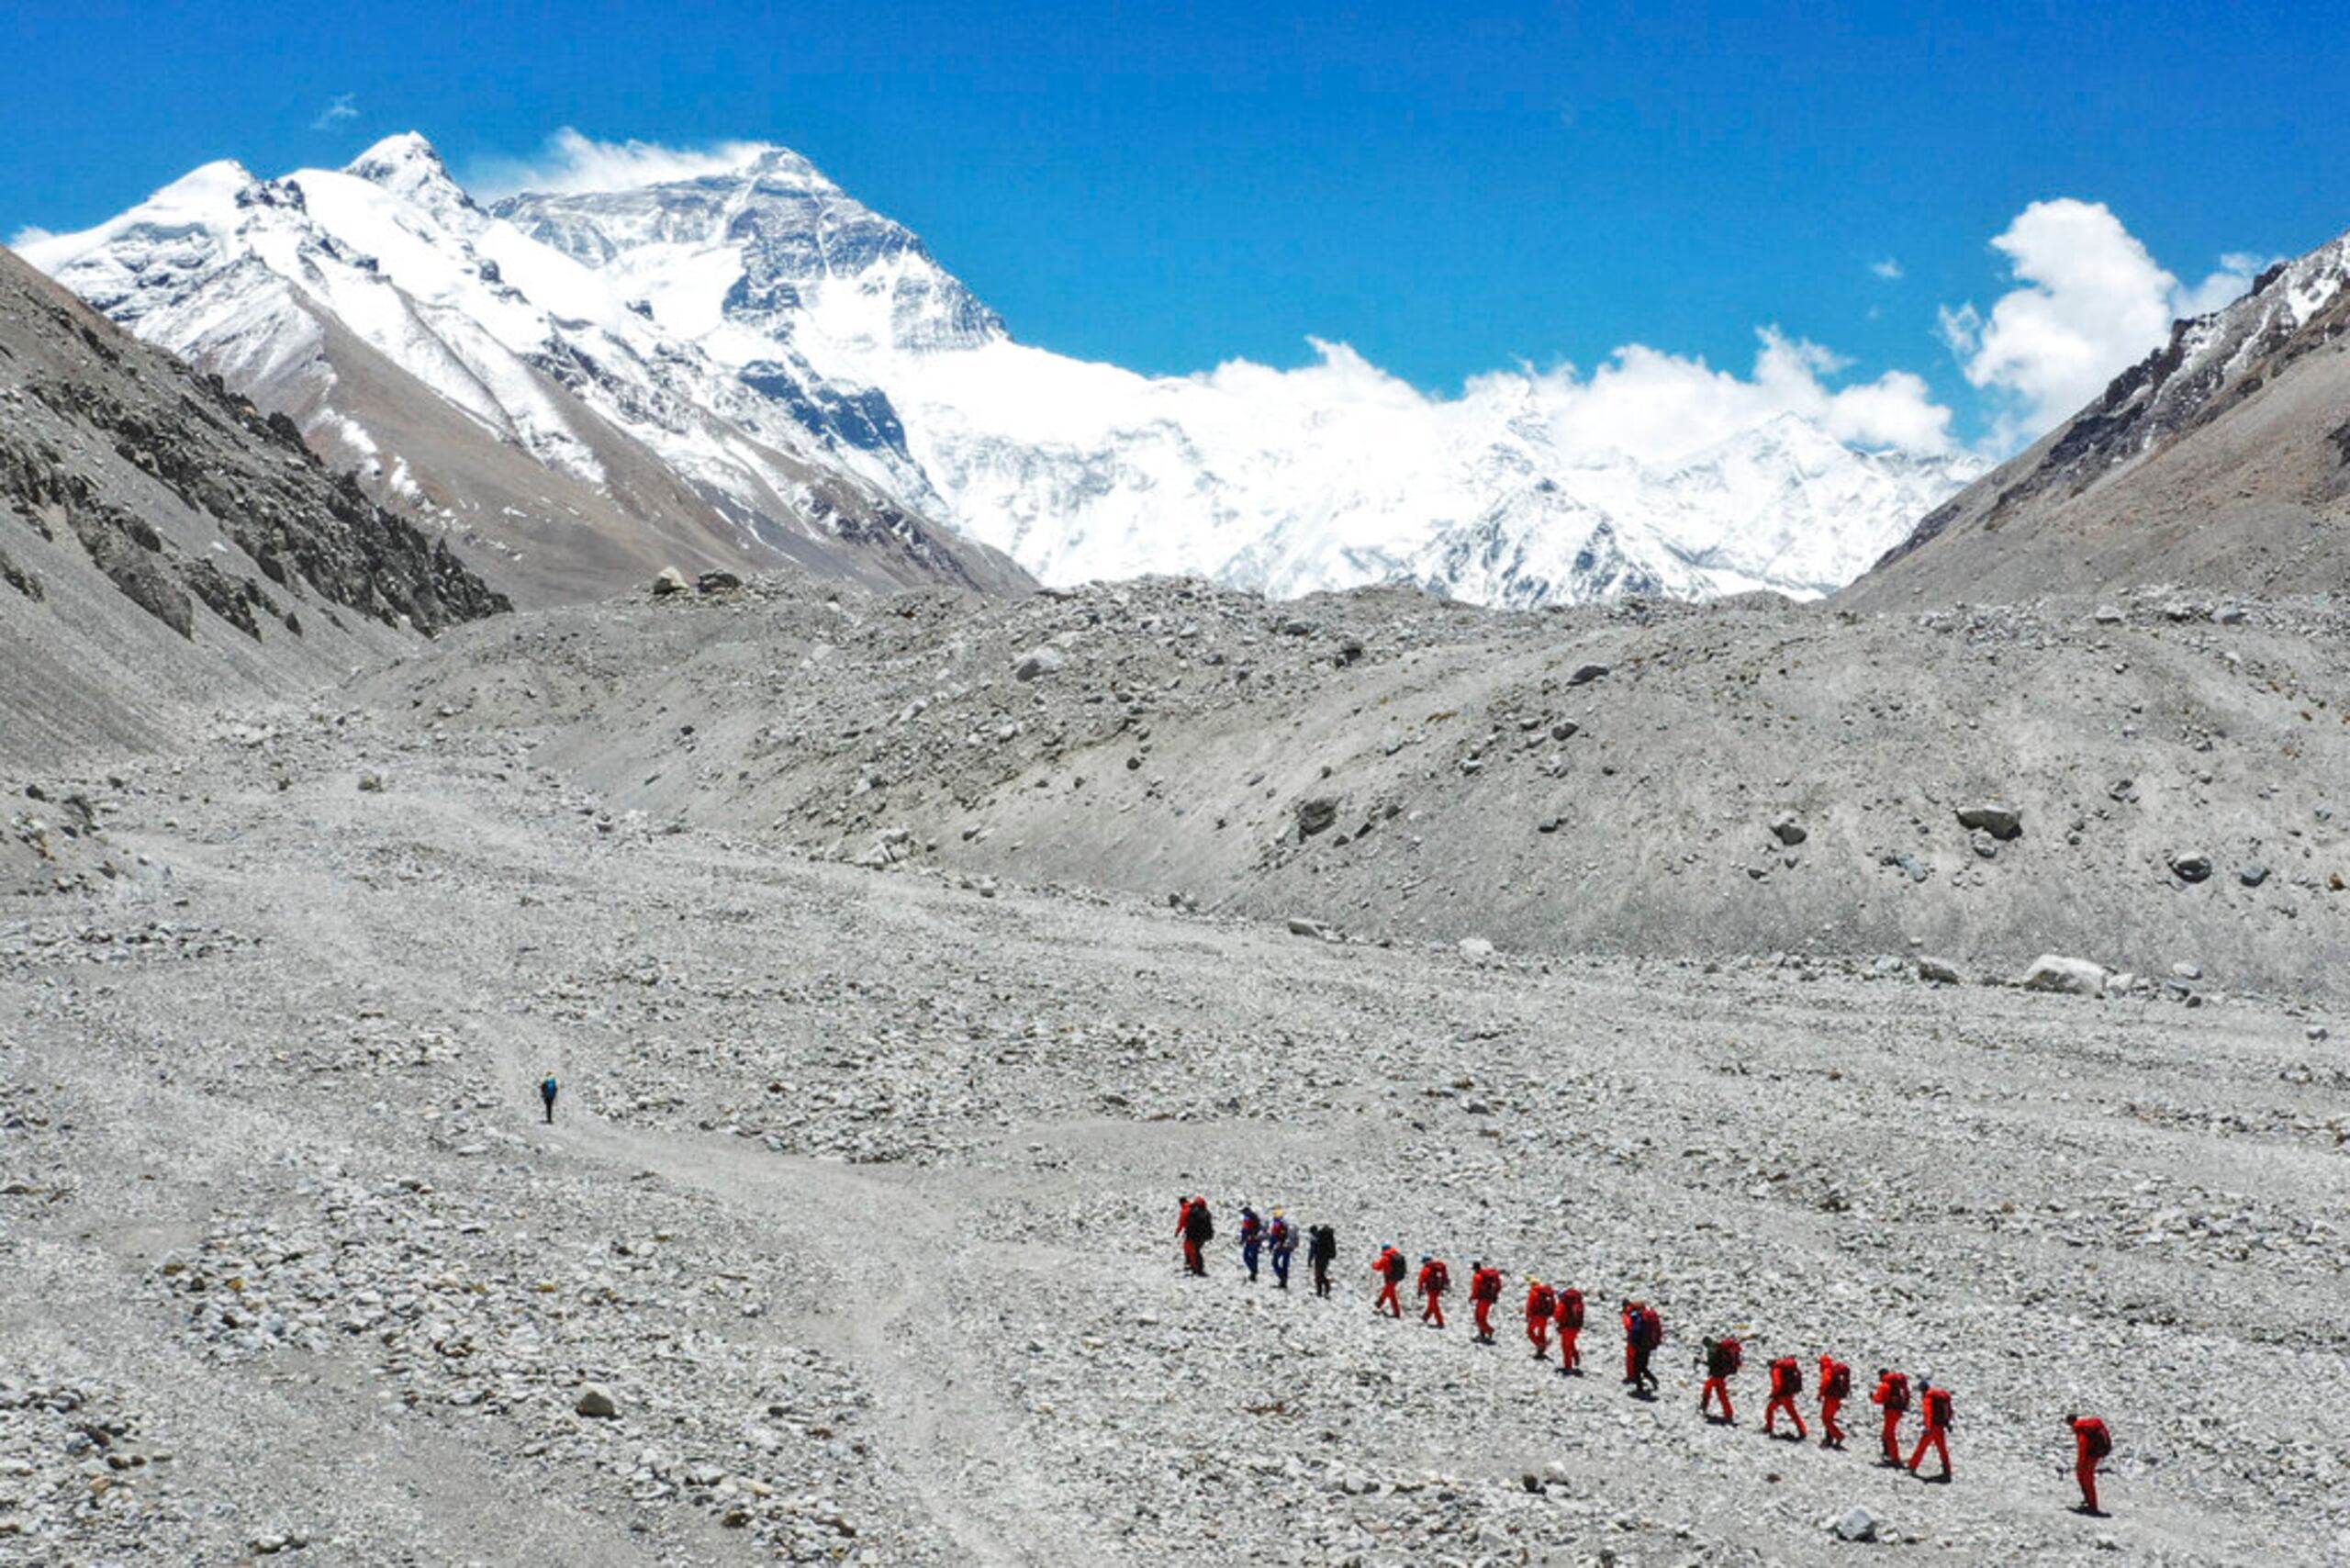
(162, 544)
(2221, 460)
(2155, 784)
(479, 378)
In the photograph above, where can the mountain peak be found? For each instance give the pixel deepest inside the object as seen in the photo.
(405, 165)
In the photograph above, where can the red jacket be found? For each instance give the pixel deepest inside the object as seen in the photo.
(1892, 1392)
(1786, 1378)
(1835, 1378)
(1485, 1284)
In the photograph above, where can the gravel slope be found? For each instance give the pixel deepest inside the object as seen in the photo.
(858, 1199)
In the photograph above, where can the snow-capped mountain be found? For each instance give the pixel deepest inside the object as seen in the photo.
(781, 351)
(1283, 484)
(371, 302)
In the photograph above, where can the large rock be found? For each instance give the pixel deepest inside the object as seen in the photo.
(671, 580)
(1586, 674)
(1789, 829)
(1853, 1524)
(1938, 971)
(717, 581)
(1998, 820)
(1315, 814)
(2191, 866)
(596, 1401)
(2074, 977)
(1476, 949)
(1038, 662)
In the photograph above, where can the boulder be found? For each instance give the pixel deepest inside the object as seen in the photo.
(2074, 977)
(1788, 830)
(671, 580)
(2109, 615)
(1476, 949)
(1301, 926)
(596, 1401)
(1586, 674)
(1315, 814)
(1998, 820)
(2190, 866)
(2252, 876)
(1938, 971)
(371, 782)
(1038, 662)
(716, 582)
(1853, 1524)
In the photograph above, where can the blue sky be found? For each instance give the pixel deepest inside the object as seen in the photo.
(1449, 190)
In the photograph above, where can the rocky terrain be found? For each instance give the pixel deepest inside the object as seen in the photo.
(162, 542)
(856, 1212)
(2156, 783)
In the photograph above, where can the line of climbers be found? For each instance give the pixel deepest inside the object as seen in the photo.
(1559, 1309)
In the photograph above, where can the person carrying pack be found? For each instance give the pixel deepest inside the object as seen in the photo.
(1570, 1319)
(546, 1096)
(1280, 1239)
(1540, 1302)
(1434, 1281)
(1722, 1358)
(1643, 1332)
(1321, 1251)
(2091, 1444)
(1252, 1240)
(1787, 1381)
(1835, 1387)
(1892, 1396)
(1198, 1227)
(1484, 1290)
(1936, 1403)
(1390, 1269)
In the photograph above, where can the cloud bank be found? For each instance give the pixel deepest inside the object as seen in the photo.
(2091, 301)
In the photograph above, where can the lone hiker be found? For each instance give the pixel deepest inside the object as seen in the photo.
(1723, 1358)
(1570, 1318)
(1197, 1227)
(1281, 1236)
(1434, 1281)
(1892, 1396)
(2091, 1444)
(1321, 1250)
(1252, 1239)
(1540, 1302)
(1484, 1290)
(1937, 1406)
(546, 1096)
(1787, 1381)
(1835, 1387)
(1390, 1269)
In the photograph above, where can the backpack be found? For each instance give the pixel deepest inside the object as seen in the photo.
(1838, 1382)
(1896, 1392)
(1440, 1278)
(547, 1088)
(1938, 1411)
(2100, 1441)
(1326, 1243)
(1202, 1224)
(1725, 1357)
(1651, 1329)
(1571, 1308)
(1787, 1376)
(1542, 1305)
(1394, 1268)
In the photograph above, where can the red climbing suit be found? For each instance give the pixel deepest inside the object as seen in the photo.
(1191, 1259)
(1938, 1419)
(1484, 1289)
(1389, 1266)
(2091, 1443)
(1787, 1381)
(1723, 1358)
(1893, 1394)
(1435, 1280)
(1570, 1329)
(1835, 1386)
(1539, 1304)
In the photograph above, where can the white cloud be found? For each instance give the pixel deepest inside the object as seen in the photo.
(1657, 408)
(1888, 269)
(341, 108)
(2093, 301)
(31, 234)
(571, 162)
